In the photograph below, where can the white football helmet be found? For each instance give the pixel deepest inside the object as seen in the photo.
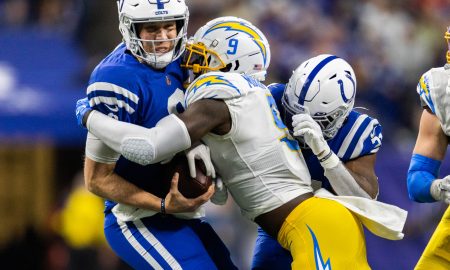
(228, 44)
(324, 87)
(133, 12)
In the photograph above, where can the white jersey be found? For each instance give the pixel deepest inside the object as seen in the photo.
(434, 90)
(259, 162)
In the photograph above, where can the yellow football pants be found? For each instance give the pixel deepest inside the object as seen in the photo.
(437, 253)
(323, 234)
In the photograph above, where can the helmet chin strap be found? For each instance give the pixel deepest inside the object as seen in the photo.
(162, 60)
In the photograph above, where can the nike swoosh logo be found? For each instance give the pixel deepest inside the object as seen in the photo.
(114, 108)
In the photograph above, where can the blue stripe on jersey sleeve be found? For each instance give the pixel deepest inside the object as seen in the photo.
(100, 93)
(354, 141)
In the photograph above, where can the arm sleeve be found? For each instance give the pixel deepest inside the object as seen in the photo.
(422, 172)
(138, 144)
(98, 151)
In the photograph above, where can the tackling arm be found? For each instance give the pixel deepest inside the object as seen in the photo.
(172, 133)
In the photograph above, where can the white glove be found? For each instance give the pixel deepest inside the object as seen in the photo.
(220, 195)
(440, 189)
(202, 152)
(305, 126)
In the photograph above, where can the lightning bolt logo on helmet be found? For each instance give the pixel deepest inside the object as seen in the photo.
(228, 44)
(244, 28)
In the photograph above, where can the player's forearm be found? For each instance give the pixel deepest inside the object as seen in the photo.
(101, 180)
(139, 144)
(368, 183)
(421, 174)
(344, 183)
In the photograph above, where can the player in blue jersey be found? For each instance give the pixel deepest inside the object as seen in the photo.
(141, 82)
(260, 163)
(320, 94)
(424, 183)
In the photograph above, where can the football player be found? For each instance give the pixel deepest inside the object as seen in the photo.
(141, 82)
(319, 97)
(258, 160)
(424, 183)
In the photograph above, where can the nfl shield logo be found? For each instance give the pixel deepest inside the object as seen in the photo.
(168, 81)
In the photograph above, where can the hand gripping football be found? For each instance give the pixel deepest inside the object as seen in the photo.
(188, 186)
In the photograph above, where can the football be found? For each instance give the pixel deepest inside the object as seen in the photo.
(188, 186)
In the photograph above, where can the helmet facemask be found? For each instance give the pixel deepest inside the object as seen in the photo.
(201, 59)
(153, 58)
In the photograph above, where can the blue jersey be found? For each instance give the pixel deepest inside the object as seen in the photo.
(123, 88)
(359, 135)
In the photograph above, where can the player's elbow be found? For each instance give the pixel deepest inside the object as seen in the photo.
(374, 191)
(138, 150)
(93, 185)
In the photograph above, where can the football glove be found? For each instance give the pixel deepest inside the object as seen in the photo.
(440, 189)
(220, 195)
(202, 152)
(305, 126)
(81, 109)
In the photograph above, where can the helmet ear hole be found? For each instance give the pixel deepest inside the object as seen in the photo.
(227, 68)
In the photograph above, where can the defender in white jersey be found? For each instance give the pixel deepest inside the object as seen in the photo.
(424, 183)
(259, 162)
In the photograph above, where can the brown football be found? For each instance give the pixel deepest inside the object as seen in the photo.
(188, 186)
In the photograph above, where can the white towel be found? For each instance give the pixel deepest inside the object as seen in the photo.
(124, 213)
(382, 219)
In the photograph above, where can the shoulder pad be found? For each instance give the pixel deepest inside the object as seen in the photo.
(431, 84)
(216, 85)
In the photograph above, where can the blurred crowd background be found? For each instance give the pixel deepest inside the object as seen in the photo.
(49, 47)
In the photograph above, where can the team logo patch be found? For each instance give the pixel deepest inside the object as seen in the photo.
(210, 80)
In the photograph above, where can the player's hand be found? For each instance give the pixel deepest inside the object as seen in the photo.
(304, 126)
(440, 189)
(202, 152)
(220, 195)
(81, 109)
(177, 203)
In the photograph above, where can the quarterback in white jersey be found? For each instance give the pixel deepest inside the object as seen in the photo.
(424, 183)
(262, 166)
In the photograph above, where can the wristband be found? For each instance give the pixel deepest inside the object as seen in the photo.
(163, 206)
(327, 156)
